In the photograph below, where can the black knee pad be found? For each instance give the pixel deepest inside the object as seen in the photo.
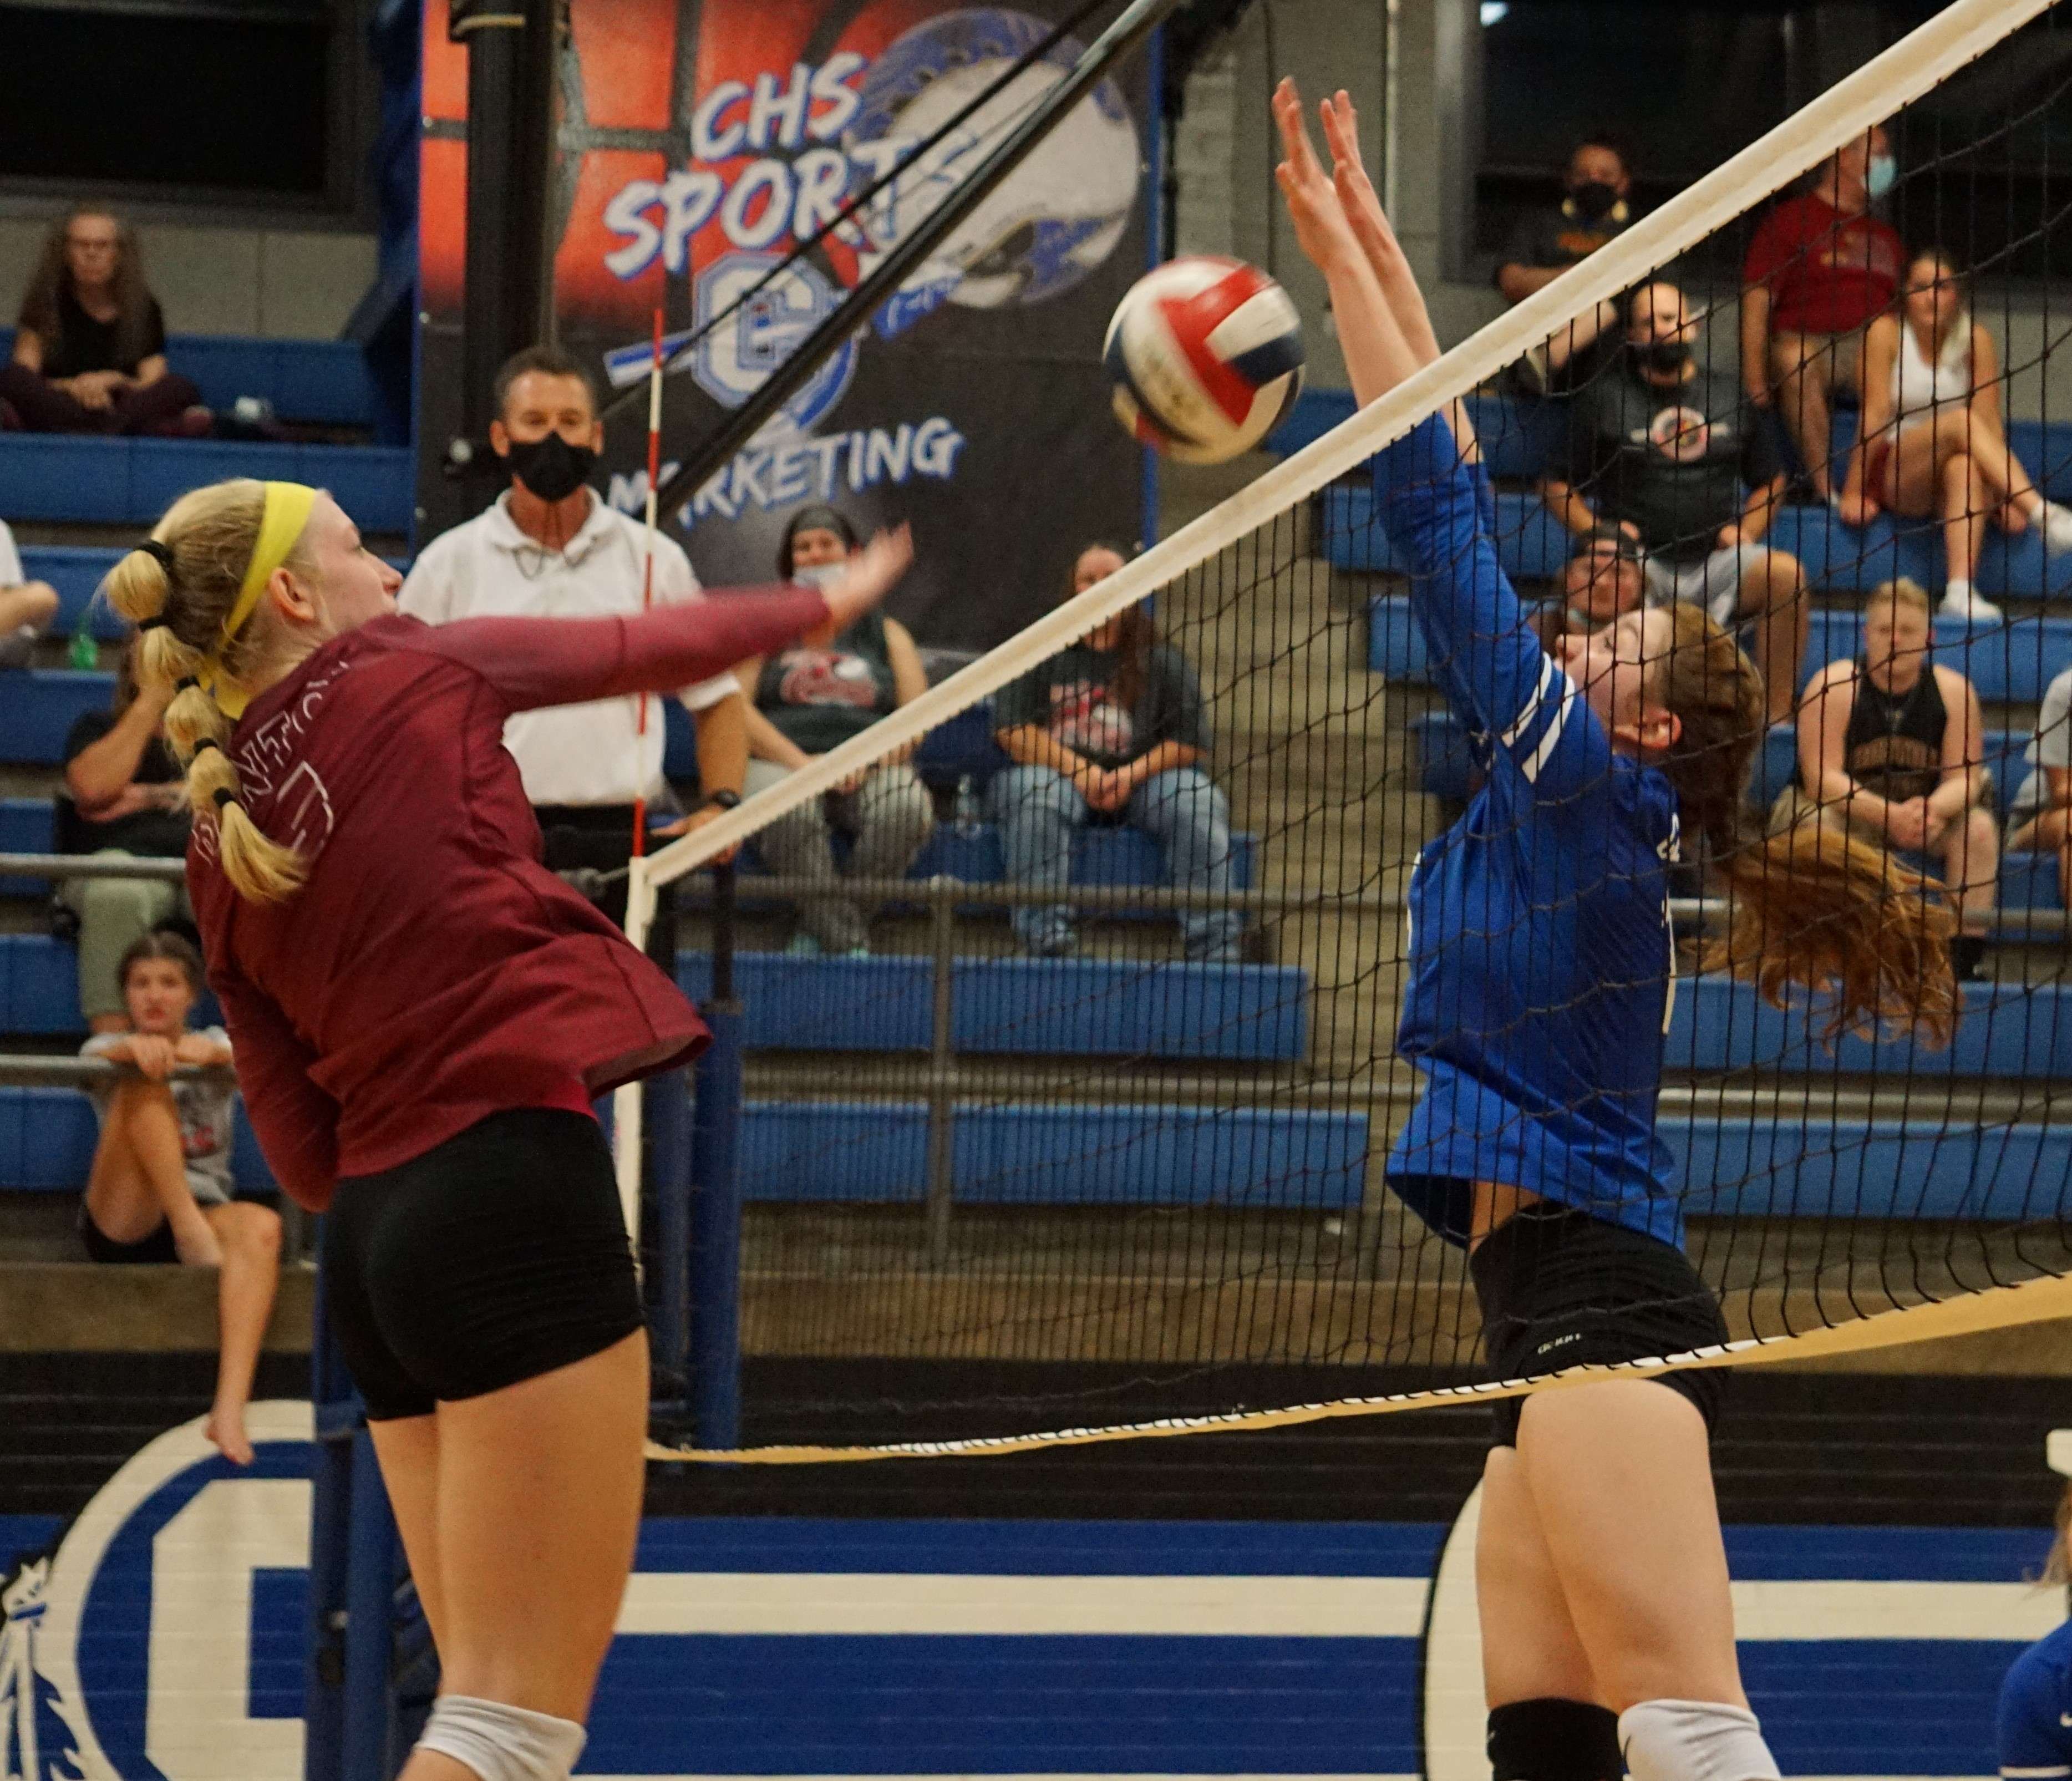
(1554, 1740)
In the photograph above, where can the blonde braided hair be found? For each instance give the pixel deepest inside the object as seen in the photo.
(180, 588)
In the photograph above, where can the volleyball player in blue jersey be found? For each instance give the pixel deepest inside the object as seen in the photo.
(2035, 1717)
(1541, 969)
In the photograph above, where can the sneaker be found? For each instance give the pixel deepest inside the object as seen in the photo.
(1961, 600)
(2057, 522)
(803, 946)
(18, 649)
(858, 952)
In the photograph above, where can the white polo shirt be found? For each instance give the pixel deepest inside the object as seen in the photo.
(487, 568)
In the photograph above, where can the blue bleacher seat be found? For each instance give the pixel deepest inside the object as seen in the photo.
(1522, 438)
(1888, 1169)
(1069, 1007)
(873, 1152)
(38, 987)
(47, 1136)
(1836, 558)
(2010, 663)
(131, 482)
(323, 382)
(25, 828)
(2007, 1029)
(75, 571)
(39, 706)
(1442, 765)
(962, 749)
(1101, 855)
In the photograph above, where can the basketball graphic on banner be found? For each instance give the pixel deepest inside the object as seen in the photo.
(1058, 216)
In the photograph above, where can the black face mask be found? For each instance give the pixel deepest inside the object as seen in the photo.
(1594, 199)
(551, 467)
(1665, 355)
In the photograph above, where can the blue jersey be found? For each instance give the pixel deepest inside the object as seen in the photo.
(2036, 1710)
(1541, 958)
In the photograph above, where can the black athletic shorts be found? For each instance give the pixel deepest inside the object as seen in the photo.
(155, 1249)
(493, 1257)
(1559, 1289)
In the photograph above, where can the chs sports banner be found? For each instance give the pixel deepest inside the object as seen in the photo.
(698, 140)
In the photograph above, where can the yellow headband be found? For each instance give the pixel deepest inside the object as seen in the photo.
(287, 506)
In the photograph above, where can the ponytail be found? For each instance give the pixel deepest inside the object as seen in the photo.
(1816, 908)
(1812, 908)
(181, 589)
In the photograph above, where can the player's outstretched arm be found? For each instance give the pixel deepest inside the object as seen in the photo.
(1378, 358)
(1377, 242)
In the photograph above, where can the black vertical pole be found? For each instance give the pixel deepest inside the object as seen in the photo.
(506, 304)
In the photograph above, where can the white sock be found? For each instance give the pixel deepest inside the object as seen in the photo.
(501, 1742)
(1957, 589)
(1694, 1741)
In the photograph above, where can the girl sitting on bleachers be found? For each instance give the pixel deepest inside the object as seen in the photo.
(160, 1189)
(811, 696)
(90, 342)
(1933, 440)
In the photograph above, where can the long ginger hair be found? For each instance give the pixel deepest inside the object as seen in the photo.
(1812, 908)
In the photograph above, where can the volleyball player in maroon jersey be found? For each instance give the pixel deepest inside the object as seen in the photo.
(423, 1015)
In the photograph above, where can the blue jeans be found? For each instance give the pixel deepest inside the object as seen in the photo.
(1039, 811)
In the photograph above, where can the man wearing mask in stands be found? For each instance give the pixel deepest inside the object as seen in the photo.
(1820, 267)
(1546, 242)
(1673, 454)
(549, 546)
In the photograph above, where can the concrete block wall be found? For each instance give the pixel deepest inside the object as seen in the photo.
(278, 284)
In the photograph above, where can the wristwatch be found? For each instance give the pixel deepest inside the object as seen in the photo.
(721, 800)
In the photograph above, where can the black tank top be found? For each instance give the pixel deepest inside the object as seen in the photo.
(1893, 746)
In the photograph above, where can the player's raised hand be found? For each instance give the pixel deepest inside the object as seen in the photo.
(1369, 223)
(871, 575)
(1314, 205)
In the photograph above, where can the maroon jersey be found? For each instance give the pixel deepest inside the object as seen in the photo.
(431, 971)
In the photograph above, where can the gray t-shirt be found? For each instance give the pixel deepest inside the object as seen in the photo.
(205, 1103)
(1675, 461)
(2051, 746)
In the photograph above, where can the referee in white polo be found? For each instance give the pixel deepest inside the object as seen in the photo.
(548, 546)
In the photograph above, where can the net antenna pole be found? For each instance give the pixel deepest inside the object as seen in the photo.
(626, 1100)
(1131, 29)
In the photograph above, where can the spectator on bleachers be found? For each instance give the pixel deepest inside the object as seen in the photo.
(550, 546)
(1672, 453)
(1114, 728)
(90, 342)
(160, 1189)
(2039, 819)
(1546, 242)
(1603, 579)
(1819, 268)
(27, 607)
(1932, 440)
(124, 796)
(1891, 746)
(809, 698)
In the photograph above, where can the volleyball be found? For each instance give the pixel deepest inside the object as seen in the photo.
(1204, 355)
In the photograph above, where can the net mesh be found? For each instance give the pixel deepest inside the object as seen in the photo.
(1101, 1127)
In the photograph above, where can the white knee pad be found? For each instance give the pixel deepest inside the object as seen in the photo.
(1694, 1741)
(502, 1743)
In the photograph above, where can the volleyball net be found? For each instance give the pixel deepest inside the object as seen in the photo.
(1092, 1135)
